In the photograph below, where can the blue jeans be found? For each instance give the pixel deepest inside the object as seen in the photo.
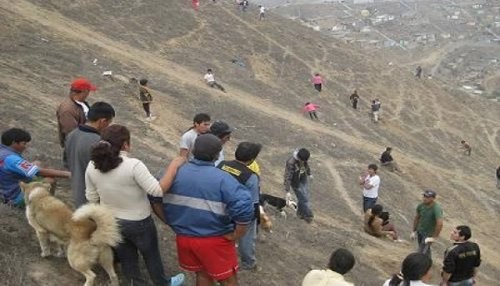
(303, 209)
(140, 236)
(368, 203)
(422, 246)
(246, 246)
(467, 282)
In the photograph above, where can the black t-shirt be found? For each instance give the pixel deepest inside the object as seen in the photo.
(461, 259)
(386, 157)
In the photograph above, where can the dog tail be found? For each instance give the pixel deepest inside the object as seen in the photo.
(107, 232)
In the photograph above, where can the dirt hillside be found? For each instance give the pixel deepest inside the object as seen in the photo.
(45, 44)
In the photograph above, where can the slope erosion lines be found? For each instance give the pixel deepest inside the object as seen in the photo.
(339, 186)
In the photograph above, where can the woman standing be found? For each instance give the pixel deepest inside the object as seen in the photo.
(122, 184)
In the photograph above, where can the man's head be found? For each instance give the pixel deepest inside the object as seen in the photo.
(207, 147)
(429, 196)
(462, 141)
(209, 70)
(247, 152)
(16, 139)
(221, 130)
(201, 123)
(461, 233)
(372, 169)
(100, 115)
(143, 82)
(303, 154)
(388, 149)
(80, 89)
(341, 261)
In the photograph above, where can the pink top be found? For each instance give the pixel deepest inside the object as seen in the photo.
(310, 107)
(317, 79)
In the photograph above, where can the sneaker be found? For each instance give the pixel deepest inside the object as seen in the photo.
(255, 268)
(177, 280)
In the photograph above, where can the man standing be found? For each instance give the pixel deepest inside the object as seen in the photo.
(387, 160)
(375, 109)
(209, 77)
(201, 125)
(354, 98)
(146, 98)
(297, 174)
(79, 145)
(428, 222)
(418, 72)
(262, 12)
(371, 183)
(73, 110)
(208, 210)
(460, 260)
(223, 131)
(14, 168)
(245, 154)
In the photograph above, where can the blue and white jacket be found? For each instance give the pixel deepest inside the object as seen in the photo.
(14, 168)
(205, 201)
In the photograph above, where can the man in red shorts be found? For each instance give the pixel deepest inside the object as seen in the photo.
(208, 210)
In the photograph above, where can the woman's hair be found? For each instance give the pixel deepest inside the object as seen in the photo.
(106, 153)
(414, 267)
(376, 211)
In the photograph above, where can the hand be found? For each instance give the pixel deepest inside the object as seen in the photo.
(178, 161)
(230, 236)
(429, 240)
(413, 235)
(288, 197)
(311, 177)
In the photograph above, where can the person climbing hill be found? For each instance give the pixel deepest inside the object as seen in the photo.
(318, 82)
(311, 109)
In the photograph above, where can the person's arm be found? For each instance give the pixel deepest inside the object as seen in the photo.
(171, 171)
(239, 232)
(439, 227)
(415, 221)
(91, 193)
(157, 208)
(445, 277)
(289, 170)
(45, 172)
(67, 122)
(145, 180)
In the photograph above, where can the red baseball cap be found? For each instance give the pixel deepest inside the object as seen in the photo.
(82, 84)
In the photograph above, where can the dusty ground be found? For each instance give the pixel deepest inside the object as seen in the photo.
(45, 44)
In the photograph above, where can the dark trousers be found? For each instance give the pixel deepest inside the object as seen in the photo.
(424, 248)
(215, 84)
(313, 115)
(318, 86)
(355, 104)
(145, 105)
(368, 203)
(140, 236)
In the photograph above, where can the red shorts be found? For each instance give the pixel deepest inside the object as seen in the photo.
(214, 255)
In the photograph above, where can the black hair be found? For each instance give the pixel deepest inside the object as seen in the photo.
(373, 167)
(106, 153)
(341, 261)
(247, 151)
(100, 110)
(201, 117)
(464, 231)
(143, 81)
(414, 267)
(388, 149)
(307, 103)
(376, 211)
(15, 135)
(303, 154)
(209, 70)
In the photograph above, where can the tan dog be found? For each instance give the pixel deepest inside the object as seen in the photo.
(265, 221)
(88, 233)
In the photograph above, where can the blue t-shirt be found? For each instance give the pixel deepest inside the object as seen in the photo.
(14, 168)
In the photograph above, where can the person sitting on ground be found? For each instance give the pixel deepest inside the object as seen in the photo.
(14, 168)
(373, 223)
(311, 109)
(387, 225)
(209, 77)
(415, 271)
(354, 99)
(223, 131)
(387, 161)
(341, 261)
(466, 148)
(146, 98)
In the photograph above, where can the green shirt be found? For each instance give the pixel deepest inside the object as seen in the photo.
(427, 218)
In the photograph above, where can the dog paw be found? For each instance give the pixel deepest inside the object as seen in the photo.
(45, 254)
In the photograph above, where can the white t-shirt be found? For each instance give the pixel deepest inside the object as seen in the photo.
(187, 141)
(209, 77)
(221, 157)
(262, 10)
(373, 181)
(412, 283)
(84, 107)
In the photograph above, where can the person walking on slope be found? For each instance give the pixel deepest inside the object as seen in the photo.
(341, 261)
(209, 77)
(418, 72)
(297, 175)
(245, 154)
(371, 183)
(460, 260)
(375, 109)
(146, 98)
(262, 12)
(354, 98)
(466, 148)
(428, 222)
(317, 81)
(311, 109)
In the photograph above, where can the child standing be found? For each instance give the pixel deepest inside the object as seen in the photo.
(311, 109)
(146, 98)
(318, 82)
